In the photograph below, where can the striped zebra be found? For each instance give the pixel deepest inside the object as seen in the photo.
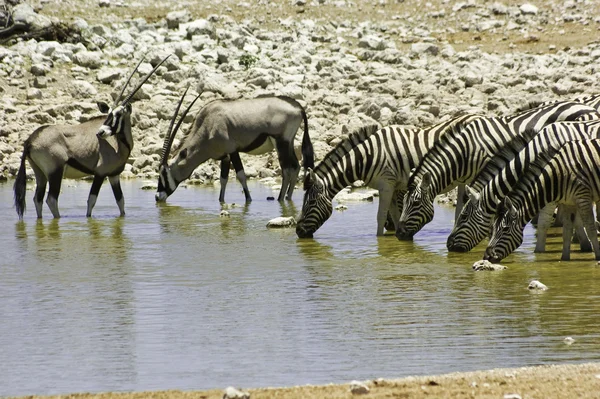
(569, 176)
(460, 154)
(382, 158)
(498, 177)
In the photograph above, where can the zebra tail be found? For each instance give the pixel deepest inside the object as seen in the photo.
(19, 186)
(308, 156)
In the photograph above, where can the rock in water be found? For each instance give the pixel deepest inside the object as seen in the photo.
(282, 222)
(486, 265)
(536, 285)
(358, 388)
(232, 393)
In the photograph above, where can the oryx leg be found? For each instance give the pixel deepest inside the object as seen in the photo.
(55, 181)
(225, 164)
(115, 184)
(97, 183)
(289, 168)
(240, 174)
(544, 221)
(567, 226)
(460, 200)
(585, 207)
(40, 189)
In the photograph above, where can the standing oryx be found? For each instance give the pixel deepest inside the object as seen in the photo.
(74, 151)
(222, 129)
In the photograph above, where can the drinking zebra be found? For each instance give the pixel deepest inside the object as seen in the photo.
(382, 158)
(569, 176)
(459, 155)
(496, 180)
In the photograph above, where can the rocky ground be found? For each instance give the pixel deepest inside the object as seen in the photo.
(349, 62)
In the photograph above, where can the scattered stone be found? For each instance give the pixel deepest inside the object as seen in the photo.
(34, 94)
(175, 18)
(358, 388)
(232, 393)
(569, 340)
(341, 207)
(273, 199)
(149, 186)
(486, 265)
(528, 9)
(512, 396)
(281, 222)
(351, 196)
(536, 285)
(224, 214)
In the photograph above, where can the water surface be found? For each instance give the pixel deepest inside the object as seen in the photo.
(175, 297)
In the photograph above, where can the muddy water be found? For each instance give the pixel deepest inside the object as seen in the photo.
(175, 297)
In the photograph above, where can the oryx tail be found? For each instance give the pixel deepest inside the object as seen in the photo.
(308, 155)
(20, 183)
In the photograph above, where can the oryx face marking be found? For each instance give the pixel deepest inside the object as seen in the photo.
(166, 184)
(114, 121)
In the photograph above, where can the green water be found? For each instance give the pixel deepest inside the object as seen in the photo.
(175, 297)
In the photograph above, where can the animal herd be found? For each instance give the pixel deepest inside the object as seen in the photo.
(509, 170)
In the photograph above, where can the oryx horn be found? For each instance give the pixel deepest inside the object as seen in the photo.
(128, 98)
(127, 83)
(170, 136)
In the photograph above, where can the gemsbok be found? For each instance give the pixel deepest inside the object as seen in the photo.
(224, 128)
(99, 147)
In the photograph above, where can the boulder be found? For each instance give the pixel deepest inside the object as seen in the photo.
(281, 222)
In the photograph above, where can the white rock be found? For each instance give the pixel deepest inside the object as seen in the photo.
(512, 396)
(232, 393)
(346, 196)
(82, 89)
(282, 222)
(224, 214)
(88, 59)
(536, 285)
(34, 94)
(174, 18)
(528, 9)
(569, 340)
(108, 75)
(486, 265)
(341, 207)
(149, 186)
(358, 388)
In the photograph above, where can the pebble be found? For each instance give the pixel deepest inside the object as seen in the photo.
(569, 340)
(536, 285)
(233, 393)
(224, 214)
(512, 396)
(341, 207)
(358, 388)
(282, 221)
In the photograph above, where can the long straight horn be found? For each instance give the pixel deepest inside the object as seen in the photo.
(164, 156)
(127, 83)
(130, 96)
(179, 122)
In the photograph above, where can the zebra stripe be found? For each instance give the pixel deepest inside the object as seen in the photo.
(382, 158)
(498, 177)
(569, 176)
(461, 154)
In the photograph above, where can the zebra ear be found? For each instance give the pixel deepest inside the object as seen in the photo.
(472, 193)
(426, 181)
(510, 207)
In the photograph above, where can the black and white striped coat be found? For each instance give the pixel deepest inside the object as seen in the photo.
(498, 177)
(461, 154)
(381, 158)
(568, 176)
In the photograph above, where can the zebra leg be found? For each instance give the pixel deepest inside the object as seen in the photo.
(40, 189)
(289, 168)
(395, 210)
(386, 196)
(98, 180)
(544, 222)
(585, 207)
(460, 200)
(55, 180)
(567, 226)
(225, 163)
(240, 174)
(115, 184)
(580, 235)
(560, 214)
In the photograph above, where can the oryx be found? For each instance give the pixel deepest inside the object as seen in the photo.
(98, 147)
(224, 128)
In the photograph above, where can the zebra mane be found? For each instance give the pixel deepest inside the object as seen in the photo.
(527, 180)
(344, 147)
(504, 155)
(442, 142)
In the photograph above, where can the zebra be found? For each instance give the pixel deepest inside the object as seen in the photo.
(569, 175)
(459, 155)
(99, 147)
(224, 128)
(498, 177)
(382, 158)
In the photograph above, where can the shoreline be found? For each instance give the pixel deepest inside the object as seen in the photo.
(548, 381)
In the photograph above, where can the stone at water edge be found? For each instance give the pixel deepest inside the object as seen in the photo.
(232, 393)
(486, 265)
(358, 388)
(341, 207)
(282, 222)
(569, 340)
(224, 214)
(536, 285)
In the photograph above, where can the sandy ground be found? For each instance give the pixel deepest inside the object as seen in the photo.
(543, 382)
